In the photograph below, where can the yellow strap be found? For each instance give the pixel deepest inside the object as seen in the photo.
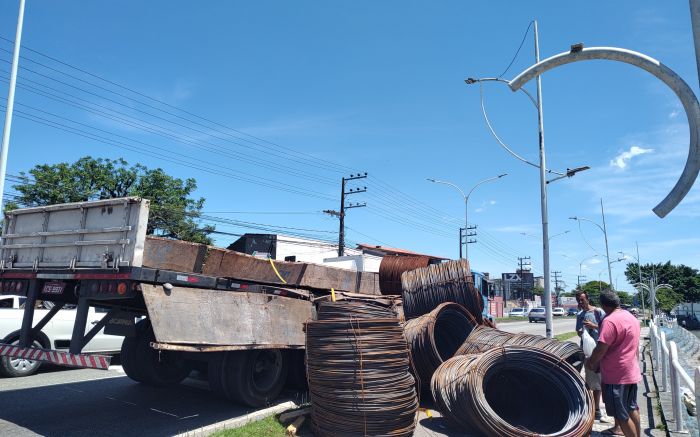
(276, 272)
(427, 412)
(333, 295)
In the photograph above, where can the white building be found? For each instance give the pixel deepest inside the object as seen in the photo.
(287, 248)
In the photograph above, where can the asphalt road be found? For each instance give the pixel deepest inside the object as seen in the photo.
(84, 402)
(560, 326)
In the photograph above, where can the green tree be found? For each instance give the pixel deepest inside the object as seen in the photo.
(685, 281)
(538, 291)
(173, 210)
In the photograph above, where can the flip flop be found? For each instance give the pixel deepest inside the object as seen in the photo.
(609, 431)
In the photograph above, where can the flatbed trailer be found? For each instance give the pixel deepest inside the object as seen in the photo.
(247, 335)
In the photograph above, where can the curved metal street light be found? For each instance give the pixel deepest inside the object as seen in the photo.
(466, 203)
(666, 75)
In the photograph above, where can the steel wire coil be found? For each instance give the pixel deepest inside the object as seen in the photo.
(426, 288)
(391, 268)
(357, 309)
(435, 337)
(483, 338)
(513, 391)
(358, 372)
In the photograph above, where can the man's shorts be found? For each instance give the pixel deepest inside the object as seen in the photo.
(592, 379)
(620, 400)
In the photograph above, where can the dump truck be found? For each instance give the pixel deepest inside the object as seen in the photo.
(178, 305)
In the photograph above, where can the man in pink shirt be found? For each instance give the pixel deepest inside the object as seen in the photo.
(617, 354)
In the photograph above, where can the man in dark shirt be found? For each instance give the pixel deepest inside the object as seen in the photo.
(589, 318)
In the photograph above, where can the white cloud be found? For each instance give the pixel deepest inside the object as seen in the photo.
(673, 114)
(593, 261)
(621, 160)
(492, 202)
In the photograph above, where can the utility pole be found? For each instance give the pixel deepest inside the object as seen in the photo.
(556, 284)
(467, 240)
(461, 241)
(522, 262)
(343, 207)
(579, 278)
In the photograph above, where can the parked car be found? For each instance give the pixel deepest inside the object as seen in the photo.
(517, 312)
(572, 312)
(558, 312)
(536, 315)
(55, 335)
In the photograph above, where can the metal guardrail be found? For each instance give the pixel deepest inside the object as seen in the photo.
(665, 355)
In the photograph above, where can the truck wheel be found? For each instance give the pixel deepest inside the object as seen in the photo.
(255, 377)
(216, 373)
(147, 365)
(296, 373)
(16, 367)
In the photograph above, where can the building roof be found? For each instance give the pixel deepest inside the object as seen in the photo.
(394, 251)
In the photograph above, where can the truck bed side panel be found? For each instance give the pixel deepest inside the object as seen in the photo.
(205, 317)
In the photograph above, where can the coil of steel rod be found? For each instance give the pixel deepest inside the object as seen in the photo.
(358, 373)
(391, 268)
(426, 288)
(346, 309)
(513, 391)
(483, 338)
(435, 337)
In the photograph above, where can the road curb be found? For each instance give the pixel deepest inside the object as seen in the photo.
(239, 421)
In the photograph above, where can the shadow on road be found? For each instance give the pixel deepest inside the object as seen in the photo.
(112, 407)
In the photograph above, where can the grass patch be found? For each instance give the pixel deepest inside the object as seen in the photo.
(511, 319)
(266, 427)
(565, 336)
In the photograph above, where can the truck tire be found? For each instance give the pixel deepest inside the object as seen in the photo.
(255, 377)
(17, 367)
(216, 373)
(149, 366)
(296, 373)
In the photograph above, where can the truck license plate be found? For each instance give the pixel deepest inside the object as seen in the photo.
(54, 287)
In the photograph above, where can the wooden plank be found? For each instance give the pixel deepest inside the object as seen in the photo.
(207, 317)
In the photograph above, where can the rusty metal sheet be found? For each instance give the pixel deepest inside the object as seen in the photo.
(224, 318)
(180, 256)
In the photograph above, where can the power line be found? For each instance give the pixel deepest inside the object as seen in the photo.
(517, 51)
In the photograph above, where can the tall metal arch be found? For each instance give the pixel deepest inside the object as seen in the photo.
(667, 76)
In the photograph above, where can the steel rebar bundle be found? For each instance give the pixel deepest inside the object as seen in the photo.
(358, 372)
(513, 391)
(391, 268)
(356, 309)
(426, 288)
(435, 337)
(483, 338)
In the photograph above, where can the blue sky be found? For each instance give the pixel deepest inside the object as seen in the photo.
(319, 90)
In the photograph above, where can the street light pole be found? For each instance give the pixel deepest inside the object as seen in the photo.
(10, 100)
(466, 204)
(605, 233)
(543, 196)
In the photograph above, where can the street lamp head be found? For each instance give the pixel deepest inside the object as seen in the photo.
(570, 172)
(470, 80)
(501, 175)
(430, 179)
(573, 218)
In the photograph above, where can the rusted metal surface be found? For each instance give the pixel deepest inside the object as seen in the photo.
(392, 267)
(513, 391)
(483, 338)
(180, 256)
(225, 318)
(194, 348)
(426, 288)
(435, 337)
(358, 372)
